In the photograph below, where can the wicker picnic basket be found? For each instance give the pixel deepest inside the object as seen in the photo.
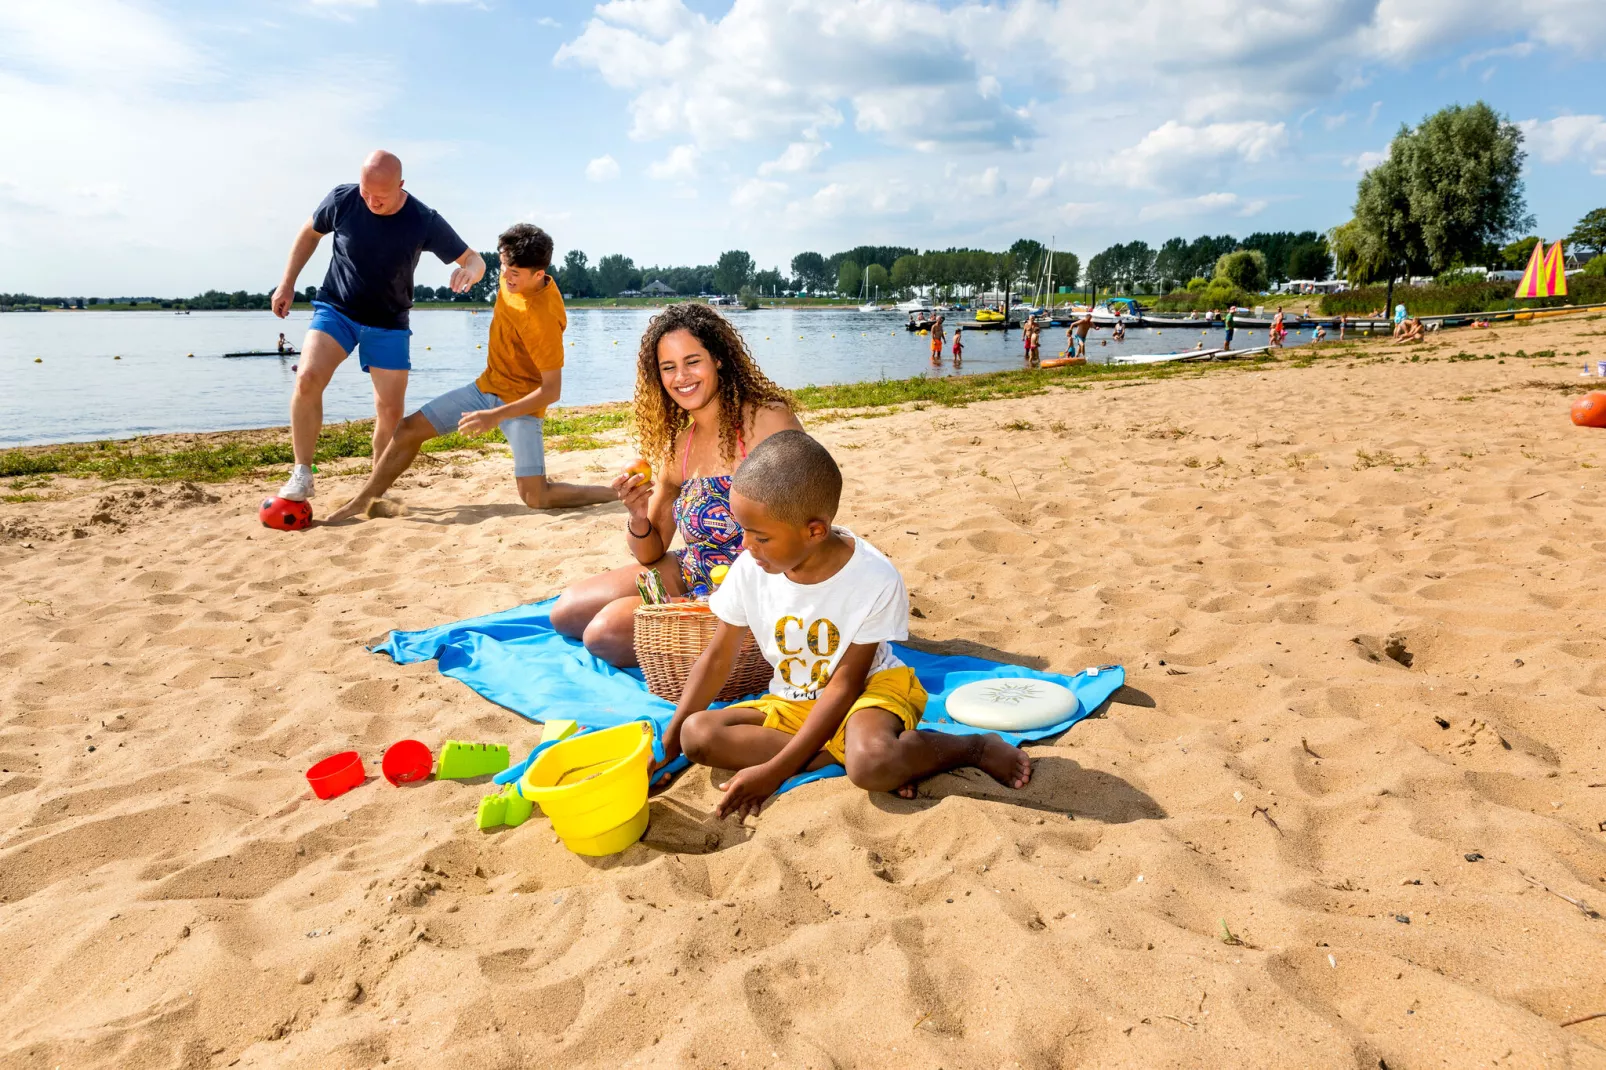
(670, 637)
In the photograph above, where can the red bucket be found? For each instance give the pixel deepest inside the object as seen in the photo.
(406, 762)
(337, 774)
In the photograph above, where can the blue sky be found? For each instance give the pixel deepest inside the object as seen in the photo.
(164, 148)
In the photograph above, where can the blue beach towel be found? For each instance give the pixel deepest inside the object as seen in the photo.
(516, 660)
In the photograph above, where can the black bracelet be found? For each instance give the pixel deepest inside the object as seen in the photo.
(631, 532)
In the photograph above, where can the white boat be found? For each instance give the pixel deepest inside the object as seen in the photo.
(914, 304)
(864, 295)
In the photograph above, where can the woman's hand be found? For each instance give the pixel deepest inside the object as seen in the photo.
(635, 490)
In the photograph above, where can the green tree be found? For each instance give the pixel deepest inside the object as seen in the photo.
(734, 270)
(1515, 256)
(876, 277)
(1590, 233)
(1463, 178)
(905, 274)
(616, 273)
(1310, 260)
(574, 278)
(1244, 268)
(769, 283)
(485, 289)
(809, 271)
(848, 277)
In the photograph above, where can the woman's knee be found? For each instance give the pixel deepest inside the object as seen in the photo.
(611, 635)
(569, 615)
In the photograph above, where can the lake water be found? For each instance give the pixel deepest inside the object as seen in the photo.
(80, 393)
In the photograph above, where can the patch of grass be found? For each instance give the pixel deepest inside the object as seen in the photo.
(1385, 459)
(1020, 425)
(1191, 462)
(18, 499)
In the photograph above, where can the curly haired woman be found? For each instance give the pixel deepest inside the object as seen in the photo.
(701, 403)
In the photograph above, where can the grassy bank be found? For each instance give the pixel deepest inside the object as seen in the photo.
(224, 455)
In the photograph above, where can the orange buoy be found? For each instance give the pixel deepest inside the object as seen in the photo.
(1590, 410)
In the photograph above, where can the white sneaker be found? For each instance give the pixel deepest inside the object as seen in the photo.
(298, 488)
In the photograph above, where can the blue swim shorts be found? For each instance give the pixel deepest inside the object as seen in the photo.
(377, 347)
(523, 433)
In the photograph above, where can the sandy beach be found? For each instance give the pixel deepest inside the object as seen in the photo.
(1346, 814)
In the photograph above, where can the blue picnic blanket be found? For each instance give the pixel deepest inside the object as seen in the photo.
(515, 659)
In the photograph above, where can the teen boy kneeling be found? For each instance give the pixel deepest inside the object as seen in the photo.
(523, 375)
(823, 605)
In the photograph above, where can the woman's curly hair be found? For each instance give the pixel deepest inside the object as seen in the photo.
(658, 419)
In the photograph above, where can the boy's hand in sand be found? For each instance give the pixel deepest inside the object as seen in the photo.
(746, 792)
(477, 423)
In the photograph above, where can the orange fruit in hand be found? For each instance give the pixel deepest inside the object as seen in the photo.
(641, 468)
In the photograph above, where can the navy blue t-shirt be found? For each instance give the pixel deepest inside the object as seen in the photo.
(370, 276)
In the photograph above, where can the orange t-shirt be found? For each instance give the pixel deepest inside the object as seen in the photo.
(526, 340)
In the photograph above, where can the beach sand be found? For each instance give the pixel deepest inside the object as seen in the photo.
(1389, 845)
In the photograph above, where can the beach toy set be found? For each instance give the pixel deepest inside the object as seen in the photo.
(592, 786)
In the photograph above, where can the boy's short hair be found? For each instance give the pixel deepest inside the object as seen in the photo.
(526, 245)
(792, 476)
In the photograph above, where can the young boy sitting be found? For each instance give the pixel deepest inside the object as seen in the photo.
(523, 375)
(823, 605)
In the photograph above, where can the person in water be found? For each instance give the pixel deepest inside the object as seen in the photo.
(284, 346)
(701, 405)
(937, 338)
(1227, 325)
(959, 346)
(523, 376)
(824, 606)
(1278, 331)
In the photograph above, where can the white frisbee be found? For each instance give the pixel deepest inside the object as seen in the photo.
(1011, 704)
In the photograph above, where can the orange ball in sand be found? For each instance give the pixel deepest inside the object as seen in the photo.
(1590, 410)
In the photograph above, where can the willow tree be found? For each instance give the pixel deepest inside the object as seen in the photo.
(1448, 192)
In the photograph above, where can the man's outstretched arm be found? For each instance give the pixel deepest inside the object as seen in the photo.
(301, 251)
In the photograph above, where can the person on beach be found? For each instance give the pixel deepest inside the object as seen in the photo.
(937, 338)
(380, 231)
(823, 605)
(959, 346)
(1343, 322)
(523, 376)
(701, 404)
(1227, 326)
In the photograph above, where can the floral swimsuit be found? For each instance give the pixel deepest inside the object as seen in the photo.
(703, 518)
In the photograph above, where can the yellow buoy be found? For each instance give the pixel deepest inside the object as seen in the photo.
(117, 358)
(39, 360)
(800, 338)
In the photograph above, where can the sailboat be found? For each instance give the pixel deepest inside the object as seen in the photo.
(864, 293)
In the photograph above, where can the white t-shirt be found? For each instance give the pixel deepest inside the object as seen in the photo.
(804, 629)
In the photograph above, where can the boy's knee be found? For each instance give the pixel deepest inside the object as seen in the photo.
(869, 765)
(696, 738)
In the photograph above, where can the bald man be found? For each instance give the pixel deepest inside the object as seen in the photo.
(380, 232)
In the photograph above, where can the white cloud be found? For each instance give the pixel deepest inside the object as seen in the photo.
(1212, 204)
(603, 169)
(777, 69)
(680, 164)
(1568, 137)
(1175, 155)
(548, 21)
(756, 193)
(1365, 161)
(798, 156)
(986, 184)
(1041, 186)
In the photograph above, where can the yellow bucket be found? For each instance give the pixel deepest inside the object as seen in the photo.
(593, 788)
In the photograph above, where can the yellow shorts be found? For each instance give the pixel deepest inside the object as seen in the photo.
(897, 691)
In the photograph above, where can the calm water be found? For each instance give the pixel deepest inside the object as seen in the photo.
(80, 393)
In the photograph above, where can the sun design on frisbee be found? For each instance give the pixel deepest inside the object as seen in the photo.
(1012, 694)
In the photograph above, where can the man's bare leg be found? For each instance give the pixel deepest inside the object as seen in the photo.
(882, 755)
(403, 449)
(390, 395)
(538, 493)
(320, 356)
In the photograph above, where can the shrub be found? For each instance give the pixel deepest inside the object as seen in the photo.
(1197, 283)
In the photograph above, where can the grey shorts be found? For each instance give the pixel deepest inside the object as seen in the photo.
(523, 433)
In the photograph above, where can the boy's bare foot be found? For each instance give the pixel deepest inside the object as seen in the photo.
(357, 505)
(1008, 765)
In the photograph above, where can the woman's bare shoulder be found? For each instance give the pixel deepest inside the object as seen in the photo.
(770, 417)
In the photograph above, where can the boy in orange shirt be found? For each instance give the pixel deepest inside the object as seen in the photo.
(523, 375)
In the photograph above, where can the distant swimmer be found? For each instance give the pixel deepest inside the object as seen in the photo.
(284, 346)
(1119, 331)
(380, 231)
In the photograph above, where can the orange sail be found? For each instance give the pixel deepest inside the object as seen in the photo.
(1555, 273)
(1532, 284)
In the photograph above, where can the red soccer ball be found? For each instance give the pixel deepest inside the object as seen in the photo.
(285, 515)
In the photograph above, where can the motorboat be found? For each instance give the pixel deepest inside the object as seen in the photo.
(914, 304)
